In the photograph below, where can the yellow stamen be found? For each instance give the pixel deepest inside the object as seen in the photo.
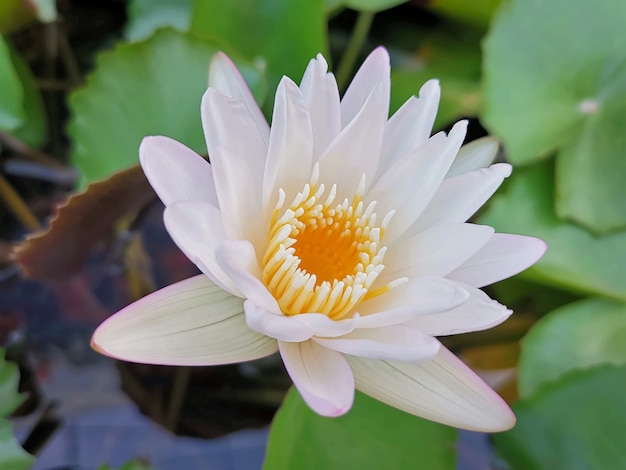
(324, 256)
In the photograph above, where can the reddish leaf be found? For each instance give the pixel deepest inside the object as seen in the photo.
(83, 221)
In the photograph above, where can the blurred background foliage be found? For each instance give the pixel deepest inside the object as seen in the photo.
(79, 92)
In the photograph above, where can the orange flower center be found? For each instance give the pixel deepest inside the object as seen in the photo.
(323, 256)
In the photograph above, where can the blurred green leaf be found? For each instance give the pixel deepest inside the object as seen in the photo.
(14, 14)
(284, 34)
(10, 399)
(139, 89)
(11, 91)
(456, 63)
(146, 16)
(372, 5)
(371, 436)
(579, 335)
(576, 259)
(577, 423)
(12, 456)
(555, 81)
(333, 6)
(33, 129)
(521, 295)
(477, 12)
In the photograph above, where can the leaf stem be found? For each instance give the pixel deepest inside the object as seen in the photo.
(179, 390)
(17, 205)
(359, 34)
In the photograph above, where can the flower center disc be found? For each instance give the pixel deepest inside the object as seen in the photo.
(322, 257)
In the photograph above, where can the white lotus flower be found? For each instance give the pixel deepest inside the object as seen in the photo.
(336, 237)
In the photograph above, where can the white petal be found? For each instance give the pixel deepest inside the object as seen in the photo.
(412, 124)
(502, 257)
(322, 376)
(374, 72)
(237, 154)
(443, 390)
(479, 153)
(458, 198)
(320, 92)
(408, 186)
(276, 325)
(290, 153)
(478, 312)
(400, 343)
(356, 150)
(435, 251)
(224, 76)
(420, 296)
(176, 172)
(238, 260)
(192, 322)
(196, 228)
(323, 326)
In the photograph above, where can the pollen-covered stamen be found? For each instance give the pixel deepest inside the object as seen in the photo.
(323, 256)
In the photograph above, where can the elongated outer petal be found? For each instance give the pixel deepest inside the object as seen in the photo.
(502, 257)
(478, 312)
(479, 153)
(443, 390)
(176, 172)
(458, 198)
(237, 152)
(319, 89)
(224, 76)
(436, 251)
(408, 186)
(356, 150)
(419, 296)
(374, 73)
(412, 124)
(196, 228)
(399, 342)
(290, 153)
(192, 322)
(322, 376)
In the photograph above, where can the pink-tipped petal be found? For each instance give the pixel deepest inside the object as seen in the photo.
(192, 322)
(408, 185)
(321, 94)
(322, 376)
(356, 150)
(238, 260)
(374, 73)
(237, 153)
(477, 313)
(290, 153)
(443, 390)
(224, 76)
(196, 228)
(502, 257)
(479, 153)
(399, 342)
(412, 124)
(458, 198)
(435, 251)
(275, 325)
(176, 172)
(419, 296)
